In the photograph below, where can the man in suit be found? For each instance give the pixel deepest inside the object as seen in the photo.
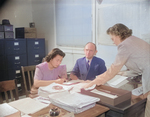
(88, 67)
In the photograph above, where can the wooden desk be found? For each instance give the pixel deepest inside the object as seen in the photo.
(134, 109)
(93, 112)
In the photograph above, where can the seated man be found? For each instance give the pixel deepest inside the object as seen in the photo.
(88, 71)
(50, 71)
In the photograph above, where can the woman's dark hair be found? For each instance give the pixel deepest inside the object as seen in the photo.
(120, 30)
(52, 54)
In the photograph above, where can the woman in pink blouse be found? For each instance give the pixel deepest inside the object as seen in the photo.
(50, 71)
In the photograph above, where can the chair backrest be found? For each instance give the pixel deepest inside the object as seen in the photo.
(28, 76)
(7, 89)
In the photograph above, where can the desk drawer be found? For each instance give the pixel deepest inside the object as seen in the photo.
(16, 61)
(15, 46)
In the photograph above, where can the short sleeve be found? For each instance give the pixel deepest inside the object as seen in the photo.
(38, 74)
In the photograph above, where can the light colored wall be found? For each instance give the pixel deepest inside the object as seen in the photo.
(19, 13)
(44, 17)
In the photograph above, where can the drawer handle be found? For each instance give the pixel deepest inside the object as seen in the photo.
(37, 60)
(17, 63)
(36, 47)
(16, 48)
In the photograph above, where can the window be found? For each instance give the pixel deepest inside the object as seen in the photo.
(73, 22)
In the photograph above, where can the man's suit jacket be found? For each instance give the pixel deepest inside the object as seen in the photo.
(97, 67)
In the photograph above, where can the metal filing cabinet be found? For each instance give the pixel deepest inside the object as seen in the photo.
(3, 71)
(35, 50)
(16, 56)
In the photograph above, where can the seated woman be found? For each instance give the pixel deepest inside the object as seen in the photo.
(49, 71)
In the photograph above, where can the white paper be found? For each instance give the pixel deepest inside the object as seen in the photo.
(6, 110)
(50, 88)
(78, 85)
(75, 102)
(28, 105)
(117, 81)
(104, 94)
(138, 91)
(42, 99)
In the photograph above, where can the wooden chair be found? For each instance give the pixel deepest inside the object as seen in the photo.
(28, 76)
(7, 89)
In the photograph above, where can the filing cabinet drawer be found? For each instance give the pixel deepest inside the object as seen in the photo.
(2, 63)
(36, 45)
(9, 35)
(4, 75)
(8, 27)
(1, 28)
(14, 74)
(15, 46)
(16, 61)
(1, 35)
(2, 47)
(34, 59)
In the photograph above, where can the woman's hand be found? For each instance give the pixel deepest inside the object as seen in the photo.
(97, 81)
(61, 80)
(33, 92)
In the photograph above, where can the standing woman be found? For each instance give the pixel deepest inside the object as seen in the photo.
(133, 52)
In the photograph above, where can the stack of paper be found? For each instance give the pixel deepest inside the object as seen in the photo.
(75, 102)
(8, 111)
(52, 88)
(117, 81)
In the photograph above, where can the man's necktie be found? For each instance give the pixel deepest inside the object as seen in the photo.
(87, 65)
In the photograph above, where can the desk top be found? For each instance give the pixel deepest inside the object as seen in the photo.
(93, 112)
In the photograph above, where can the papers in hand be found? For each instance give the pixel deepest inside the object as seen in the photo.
(75, 102)
(6, 110)
(117, 81)
(28, 105)
(138, 91)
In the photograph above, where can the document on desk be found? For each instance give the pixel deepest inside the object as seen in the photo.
(6, 109)
(117, 81)
(138, 91)
(28, 105)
